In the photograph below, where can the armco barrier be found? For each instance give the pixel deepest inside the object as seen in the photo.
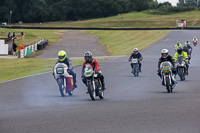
(37, 46)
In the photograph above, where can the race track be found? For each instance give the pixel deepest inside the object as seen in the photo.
(131, 104)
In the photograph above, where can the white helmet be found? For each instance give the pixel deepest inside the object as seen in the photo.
(164, 53)
(135, 50)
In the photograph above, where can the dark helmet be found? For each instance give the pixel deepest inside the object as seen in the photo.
(179, 50)
(88, 56)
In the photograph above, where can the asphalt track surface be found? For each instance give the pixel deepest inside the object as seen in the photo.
(131, 104)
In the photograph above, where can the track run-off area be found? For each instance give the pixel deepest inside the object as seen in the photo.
(131, 105)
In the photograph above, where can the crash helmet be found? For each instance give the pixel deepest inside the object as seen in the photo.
(164, 53)
(88, 56)
(179, 50)
(62, 55)
(178, 44)
(135, 50)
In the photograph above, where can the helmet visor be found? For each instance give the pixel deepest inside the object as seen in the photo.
(61, 57)
(164, 54)
(88, 58)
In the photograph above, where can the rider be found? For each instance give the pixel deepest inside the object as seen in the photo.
(178, 45)
(62, 58)
(137, 55)
(94, 63)
(195, 38)
(179, 53)
(187, 43)
(165, 57)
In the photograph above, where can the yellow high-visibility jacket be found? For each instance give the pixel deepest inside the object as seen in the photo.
(176, 46)
(196, 39)
(184, 55)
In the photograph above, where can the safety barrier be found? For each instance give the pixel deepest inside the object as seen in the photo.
(31, 48)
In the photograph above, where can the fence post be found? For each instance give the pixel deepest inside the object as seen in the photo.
(33, 49)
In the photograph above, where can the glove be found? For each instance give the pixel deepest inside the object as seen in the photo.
(174, 70)
(69, 71)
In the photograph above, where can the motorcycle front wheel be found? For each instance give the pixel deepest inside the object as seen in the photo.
(91, 91)
(168, 86)
(61, 87)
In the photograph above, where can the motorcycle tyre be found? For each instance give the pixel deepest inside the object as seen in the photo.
(61, 87)
(91, 91)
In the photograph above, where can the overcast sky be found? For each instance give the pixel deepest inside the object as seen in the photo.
(173, 2)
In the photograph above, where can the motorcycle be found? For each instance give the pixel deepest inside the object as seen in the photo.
(135, 64)
(64, 79)
(93, 83)
(195, 42)
(167, 77)
(181, 68)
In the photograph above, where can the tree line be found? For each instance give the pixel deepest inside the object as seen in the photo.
(68, 10)
(189, 3)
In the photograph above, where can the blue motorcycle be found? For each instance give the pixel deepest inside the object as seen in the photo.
(167, 77)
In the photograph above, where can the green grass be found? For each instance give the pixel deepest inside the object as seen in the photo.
(123, 42)
(32, 36)
(133, 20)
(16, 68)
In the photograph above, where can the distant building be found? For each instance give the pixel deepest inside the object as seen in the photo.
(6, 47)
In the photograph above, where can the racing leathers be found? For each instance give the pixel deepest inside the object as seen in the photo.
(168, 58)
(94, 63)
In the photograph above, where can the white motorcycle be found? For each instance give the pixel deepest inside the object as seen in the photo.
(64, 79)
(93, 83)
(135, 64)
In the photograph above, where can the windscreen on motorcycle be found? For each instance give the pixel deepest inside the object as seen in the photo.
(165, 66)
(60, 68)
(180, 60)
(88, 70)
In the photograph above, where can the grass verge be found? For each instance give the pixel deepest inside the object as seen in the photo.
(31, 36)
(130, 20)
(122, 42)
(16, 68)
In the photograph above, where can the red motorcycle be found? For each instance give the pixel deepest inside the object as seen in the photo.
(195, 42)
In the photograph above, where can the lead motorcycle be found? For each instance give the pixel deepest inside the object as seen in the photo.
(181, 68)
(93, 83)
(167, 77)
(195, 42)
(64, 79)
(135, 64)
